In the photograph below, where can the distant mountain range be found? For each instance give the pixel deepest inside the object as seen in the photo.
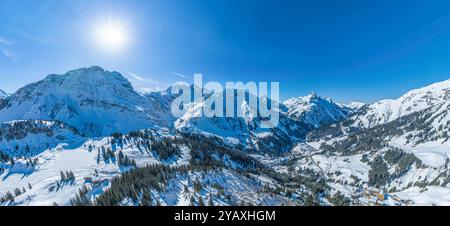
(92, 125)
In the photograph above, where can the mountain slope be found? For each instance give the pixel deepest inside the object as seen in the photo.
(413, 101)
(316, 111)
(297, 117)
(245, 130)
(174, 170)
(393, 152)
(30, 137)
(3, 101)
(94, 101)
(399, 146)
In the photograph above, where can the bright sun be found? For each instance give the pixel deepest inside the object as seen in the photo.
(111, 35)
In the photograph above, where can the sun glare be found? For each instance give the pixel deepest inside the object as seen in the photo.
(111, 36)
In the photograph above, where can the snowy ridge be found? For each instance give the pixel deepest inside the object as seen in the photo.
(393, 146)
(316, 111)
(28, 138)
(353, 106)
(245, 130)
(68, 139)
(3, 94)
(94, 101)
(413, 101)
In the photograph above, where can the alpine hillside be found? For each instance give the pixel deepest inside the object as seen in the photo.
(87, 137)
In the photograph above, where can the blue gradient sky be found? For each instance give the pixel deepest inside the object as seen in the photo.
(347, 50)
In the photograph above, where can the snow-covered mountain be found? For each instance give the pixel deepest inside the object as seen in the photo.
(413, 101)
(398, 146)
(298, 116)
(3, 94)
(393, 152)
(245, 130)
(353, 106)
(195, 171)
(94, 101)
(30, 137)
(316, 111)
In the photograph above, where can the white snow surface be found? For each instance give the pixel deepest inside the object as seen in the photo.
(415, 100)
(92, 100)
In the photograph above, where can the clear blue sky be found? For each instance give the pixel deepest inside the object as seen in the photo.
(347, 50)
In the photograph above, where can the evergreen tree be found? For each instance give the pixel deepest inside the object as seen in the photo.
(210, 202)
(200, 201)
(146, 199)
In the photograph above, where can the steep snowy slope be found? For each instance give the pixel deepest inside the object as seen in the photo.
(354, 107)
(424, 110)
(399, 146)
(94, 101)
(3, 101)
(245, 130)
(194, 170)
(30, 137)
(354, 154)
(297, 117)
(316, 111)
(413, 101)
(3, 94)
